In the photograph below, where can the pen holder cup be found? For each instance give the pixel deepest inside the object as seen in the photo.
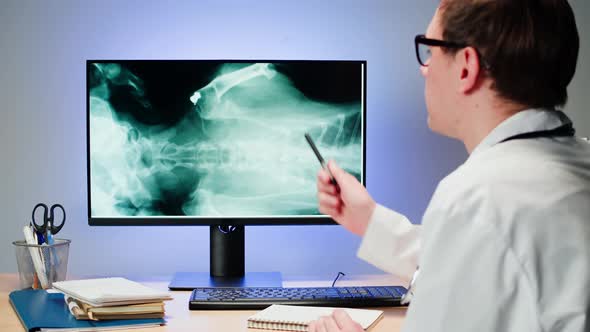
(40, 265)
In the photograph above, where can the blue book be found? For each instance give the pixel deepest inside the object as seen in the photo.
(39, 310)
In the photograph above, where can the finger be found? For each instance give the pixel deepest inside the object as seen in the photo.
(324, 176)
(330, 324)
(312, 327)
(339, 174)
(328, 201)
(342, 319)
(334, 213)
(327, 188)
(320, 327)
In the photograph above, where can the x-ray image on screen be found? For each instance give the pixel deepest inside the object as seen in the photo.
(180, 138)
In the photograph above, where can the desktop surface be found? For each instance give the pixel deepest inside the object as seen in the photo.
(180, 318)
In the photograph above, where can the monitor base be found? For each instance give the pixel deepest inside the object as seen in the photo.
(192, 280)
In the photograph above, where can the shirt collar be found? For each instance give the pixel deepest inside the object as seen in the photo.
(526, 121)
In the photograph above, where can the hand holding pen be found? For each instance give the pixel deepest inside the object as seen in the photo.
(342, 196)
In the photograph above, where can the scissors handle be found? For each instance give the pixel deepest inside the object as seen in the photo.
(55, 227)
(43, 226)
(49, 223)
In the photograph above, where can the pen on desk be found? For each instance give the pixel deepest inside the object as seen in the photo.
(320, 158)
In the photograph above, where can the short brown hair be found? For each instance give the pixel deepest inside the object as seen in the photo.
(531, 46)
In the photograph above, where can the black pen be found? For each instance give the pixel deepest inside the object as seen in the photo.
(320, 158)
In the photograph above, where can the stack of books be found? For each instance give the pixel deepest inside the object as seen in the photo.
(82, 310)
(112, 298)
(40, 310)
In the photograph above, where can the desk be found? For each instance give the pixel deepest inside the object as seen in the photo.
(179, 318)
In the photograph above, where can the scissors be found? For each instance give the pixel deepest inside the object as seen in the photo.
(48, 227)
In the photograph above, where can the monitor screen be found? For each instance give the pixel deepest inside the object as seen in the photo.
(207, 142)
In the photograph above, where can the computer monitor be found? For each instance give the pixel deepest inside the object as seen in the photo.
(219, 143)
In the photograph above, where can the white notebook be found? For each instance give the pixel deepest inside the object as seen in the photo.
(110, 291)
(296, 318)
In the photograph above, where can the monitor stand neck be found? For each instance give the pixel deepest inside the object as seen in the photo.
(226, 264)
(226, 251)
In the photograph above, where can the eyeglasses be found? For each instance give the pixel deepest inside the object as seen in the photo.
(424, 54)
(423, 44)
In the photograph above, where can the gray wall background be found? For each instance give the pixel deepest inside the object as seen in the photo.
(44, 45)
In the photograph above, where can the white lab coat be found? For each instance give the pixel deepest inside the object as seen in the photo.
(505, 241)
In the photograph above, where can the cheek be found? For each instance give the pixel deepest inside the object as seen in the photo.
(433, 96)
(430, 105)
(430, 94)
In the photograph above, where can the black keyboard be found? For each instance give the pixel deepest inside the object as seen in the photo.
(262, 297)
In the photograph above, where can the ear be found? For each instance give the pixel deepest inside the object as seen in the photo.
(470, 69)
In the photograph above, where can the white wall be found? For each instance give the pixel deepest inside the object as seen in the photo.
(44, 45)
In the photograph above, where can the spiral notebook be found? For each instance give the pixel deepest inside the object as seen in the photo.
(296, 318)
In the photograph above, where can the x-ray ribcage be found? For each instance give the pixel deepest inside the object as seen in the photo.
(202, 138)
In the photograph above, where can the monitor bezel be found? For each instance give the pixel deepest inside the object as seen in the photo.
(211, 220)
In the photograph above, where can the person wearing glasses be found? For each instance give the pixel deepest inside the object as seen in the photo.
(505, 241)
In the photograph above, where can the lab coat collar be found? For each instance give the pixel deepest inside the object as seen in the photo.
(526, 121)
